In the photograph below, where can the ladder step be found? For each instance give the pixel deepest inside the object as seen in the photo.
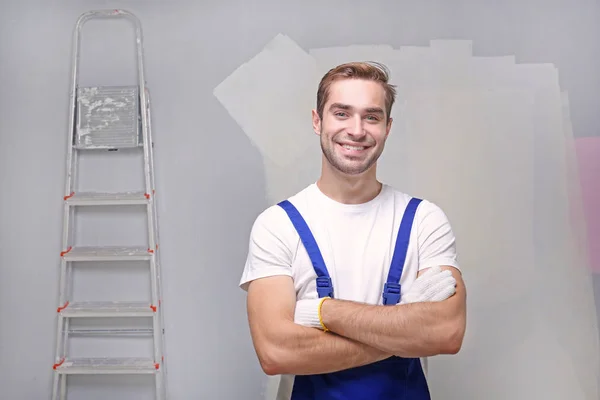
(110, 332)
(107, 309)
(107, 253)
(107, 199)
(107, 366)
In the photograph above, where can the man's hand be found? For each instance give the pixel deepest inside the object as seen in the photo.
(434, 285)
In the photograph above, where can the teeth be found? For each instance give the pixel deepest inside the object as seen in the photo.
(352, 147)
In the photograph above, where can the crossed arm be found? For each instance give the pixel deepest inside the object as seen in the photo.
(408, 330)
(284, 347)
(360, 333)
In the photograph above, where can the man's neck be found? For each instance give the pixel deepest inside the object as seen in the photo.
(349, 189)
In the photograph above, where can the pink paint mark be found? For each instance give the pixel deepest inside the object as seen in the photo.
(588, 159)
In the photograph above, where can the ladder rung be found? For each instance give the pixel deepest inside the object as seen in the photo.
(114, 145)
(107, 253)
(110, 332)
(107, 366)
(107, 309)
(107, 199)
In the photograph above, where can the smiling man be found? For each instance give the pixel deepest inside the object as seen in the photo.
(352, 283)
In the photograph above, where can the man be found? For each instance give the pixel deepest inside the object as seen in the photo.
(350, 282)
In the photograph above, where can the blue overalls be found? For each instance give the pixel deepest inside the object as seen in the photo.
(389, 379)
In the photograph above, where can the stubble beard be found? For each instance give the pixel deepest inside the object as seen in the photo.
(337, 162)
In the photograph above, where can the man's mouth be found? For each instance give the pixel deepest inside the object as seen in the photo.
(353, 147)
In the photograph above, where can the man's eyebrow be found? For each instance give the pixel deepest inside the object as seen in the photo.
(371, 110)
(340, 106)
(375, 110)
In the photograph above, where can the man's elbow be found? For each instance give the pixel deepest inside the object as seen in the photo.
(271, 360)
(270, 368)
(453, 338)
(451, 346)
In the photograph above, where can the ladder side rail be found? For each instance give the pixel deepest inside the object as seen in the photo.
(159, 332)
(152, 241)
(154, 202)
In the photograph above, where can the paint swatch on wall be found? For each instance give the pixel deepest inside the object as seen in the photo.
(490, 141)
(263, 97)
(328, 57)
(576, 200)
(588, 156)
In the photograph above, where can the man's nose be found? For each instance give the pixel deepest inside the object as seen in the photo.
(356, 127)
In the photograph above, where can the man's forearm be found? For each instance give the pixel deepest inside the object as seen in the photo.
(407, 330)
(300, 350)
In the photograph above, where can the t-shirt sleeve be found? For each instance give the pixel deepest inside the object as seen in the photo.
(437, 244)
(269, 249)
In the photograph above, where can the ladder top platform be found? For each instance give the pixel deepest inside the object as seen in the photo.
(107, 117)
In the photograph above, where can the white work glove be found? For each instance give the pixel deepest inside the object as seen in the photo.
(434, 285)
(307, 313)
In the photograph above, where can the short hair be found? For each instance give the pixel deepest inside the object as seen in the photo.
(368, 70)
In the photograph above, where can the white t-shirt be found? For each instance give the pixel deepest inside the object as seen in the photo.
(356, 241)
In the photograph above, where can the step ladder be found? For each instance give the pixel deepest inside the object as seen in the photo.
(122, 121)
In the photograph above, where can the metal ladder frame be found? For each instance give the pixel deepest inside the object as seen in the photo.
(63, 365)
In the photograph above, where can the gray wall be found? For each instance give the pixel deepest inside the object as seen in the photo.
(210, 177)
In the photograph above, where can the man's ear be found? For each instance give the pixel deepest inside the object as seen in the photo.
(316, 122)
(388, 127)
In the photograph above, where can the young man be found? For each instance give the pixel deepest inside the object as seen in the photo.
(350, 281)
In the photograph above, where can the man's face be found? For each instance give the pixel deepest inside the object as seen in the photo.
(354, 126)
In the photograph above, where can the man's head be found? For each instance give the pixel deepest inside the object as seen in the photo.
(352, 118)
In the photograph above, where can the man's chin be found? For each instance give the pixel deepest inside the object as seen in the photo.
(352, 169)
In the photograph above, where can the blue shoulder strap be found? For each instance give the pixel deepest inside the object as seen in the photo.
(324, 284)
(391, 290)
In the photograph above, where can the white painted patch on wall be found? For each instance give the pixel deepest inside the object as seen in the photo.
(491, 142)
(261, 97)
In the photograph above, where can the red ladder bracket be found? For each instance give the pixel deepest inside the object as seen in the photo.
(59, 309)
(58, 364)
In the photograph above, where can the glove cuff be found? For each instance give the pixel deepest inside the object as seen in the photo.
(307, 313)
